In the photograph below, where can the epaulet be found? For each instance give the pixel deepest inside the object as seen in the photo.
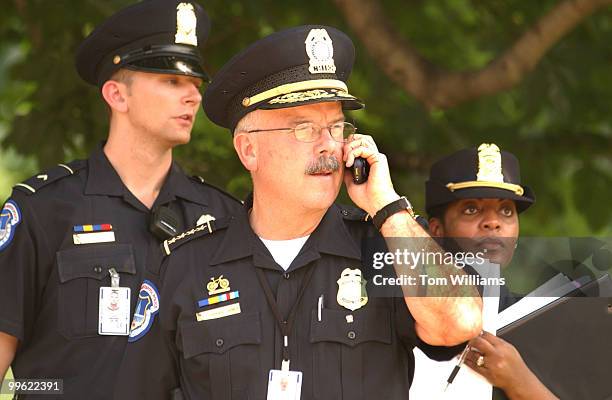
(53, 174)
(351, 213)
(201, 180)
(205, 228)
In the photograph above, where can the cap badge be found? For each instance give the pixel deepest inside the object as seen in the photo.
(320, 50)
(186, 23)
(489, 163)
(351, 289)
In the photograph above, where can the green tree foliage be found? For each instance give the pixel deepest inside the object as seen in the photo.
(556, 120)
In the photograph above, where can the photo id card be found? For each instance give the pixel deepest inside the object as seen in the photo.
(284, 385)
(114, 311)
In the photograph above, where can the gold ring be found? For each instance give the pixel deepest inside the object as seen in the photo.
(480, 361)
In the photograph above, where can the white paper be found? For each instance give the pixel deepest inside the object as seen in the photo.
(430, 376)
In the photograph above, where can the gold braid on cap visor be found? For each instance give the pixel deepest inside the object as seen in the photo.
(289, 88)
(499, 185)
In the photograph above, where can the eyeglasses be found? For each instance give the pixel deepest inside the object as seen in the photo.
(310, 132)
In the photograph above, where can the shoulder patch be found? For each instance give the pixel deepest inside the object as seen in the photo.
(146, 309)
(206, 227)
(10, 217)
(201, 180)
(54, 174)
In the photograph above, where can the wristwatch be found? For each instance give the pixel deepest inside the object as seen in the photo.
(401, 204)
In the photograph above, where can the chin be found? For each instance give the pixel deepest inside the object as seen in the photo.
(179, 139)
(321, 201)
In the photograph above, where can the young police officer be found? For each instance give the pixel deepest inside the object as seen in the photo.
(74, 239)
(274, 301)
(473, 198)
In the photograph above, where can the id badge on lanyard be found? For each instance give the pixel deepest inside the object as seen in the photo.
(114, 308)
(284, 384)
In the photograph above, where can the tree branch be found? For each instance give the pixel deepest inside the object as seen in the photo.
(437, 87)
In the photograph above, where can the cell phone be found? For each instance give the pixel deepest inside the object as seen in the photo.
(360, 170)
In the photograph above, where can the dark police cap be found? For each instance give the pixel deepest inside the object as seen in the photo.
(160, 36)
(297, 66)
(483, 172)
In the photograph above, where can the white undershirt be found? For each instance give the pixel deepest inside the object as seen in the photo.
(285, 251)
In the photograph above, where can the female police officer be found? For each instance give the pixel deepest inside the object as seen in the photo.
(473, 198)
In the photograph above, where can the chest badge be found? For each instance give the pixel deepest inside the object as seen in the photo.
(218, 285)
(351, 289)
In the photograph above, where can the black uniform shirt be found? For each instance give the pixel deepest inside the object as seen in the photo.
(361, 354)
(49, 286)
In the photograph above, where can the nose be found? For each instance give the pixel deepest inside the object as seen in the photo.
(490, 221)
(326, 143)
(193, 95)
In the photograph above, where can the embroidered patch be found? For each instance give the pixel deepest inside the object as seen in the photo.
(146, 309)
(10, 217)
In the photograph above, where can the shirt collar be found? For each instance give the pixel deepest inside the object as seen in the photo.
(102, 177)
(330, 237)
(103, 180)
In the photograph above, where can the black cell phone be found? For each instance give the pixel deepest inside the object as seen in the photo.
(360, 170)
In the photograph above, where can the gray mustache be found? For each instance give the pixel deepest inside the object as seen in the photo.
(323, 164)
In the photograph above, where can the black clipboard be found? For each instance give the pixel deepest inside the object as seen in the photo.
(568, 343)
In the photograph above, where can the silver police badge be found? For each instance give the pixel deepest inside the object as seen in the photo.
(351, 289)
(320, 50)
(186, 23)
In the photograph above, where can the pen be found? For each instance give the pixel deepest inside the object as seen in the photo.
(320, 308)
(453, 374)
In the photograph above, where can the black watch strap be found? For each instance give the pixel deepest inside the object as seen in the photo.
(401, 204)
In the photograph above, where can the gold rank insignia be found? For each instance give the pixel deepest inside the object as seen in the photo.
(320, 50)
(186, 23)
(351, 289)
(489, 163)
(218, 285)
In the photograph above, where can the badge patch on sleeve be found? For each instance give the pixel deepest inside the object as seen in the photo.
(146, 308)
(10, 217)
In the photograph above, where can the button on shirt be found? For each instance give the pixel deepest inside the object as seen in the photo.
(222, 354)
(49, 286)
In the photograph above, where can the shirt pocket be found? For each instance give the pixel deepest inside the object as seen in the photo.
(346, 346)
(82, 271)
(223, 352)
